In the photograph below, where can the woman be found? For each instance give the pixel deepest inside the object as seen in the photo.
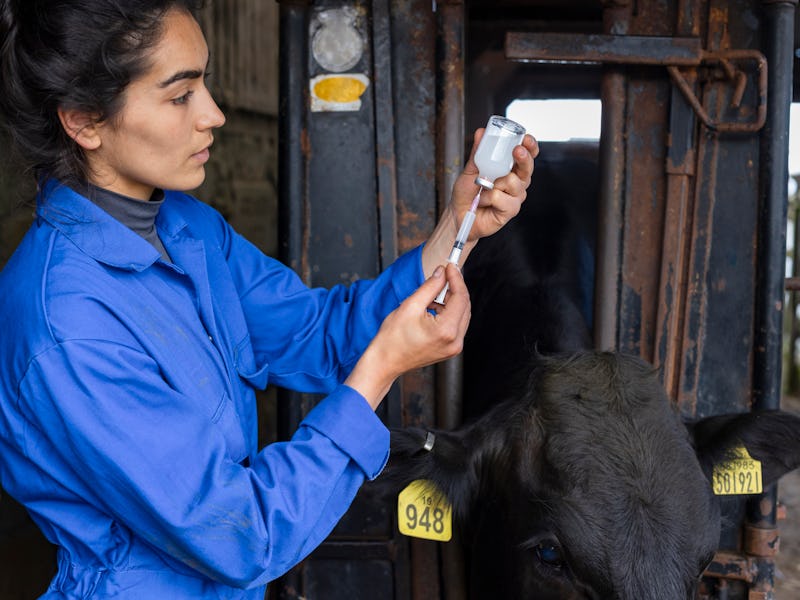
(135, 324)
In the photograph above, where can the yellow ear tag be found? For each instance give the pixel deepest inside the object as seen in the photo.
(740, 475)
(423, 512)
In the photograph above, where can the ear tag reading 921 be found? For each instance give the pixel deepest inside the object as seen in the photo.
(423, 512)
(740, 475)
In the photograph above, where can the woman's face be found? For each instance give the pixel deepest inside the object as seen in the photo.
(161, 138)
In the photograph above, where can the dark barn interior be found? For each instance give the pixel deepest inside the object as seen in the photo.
(665, 238)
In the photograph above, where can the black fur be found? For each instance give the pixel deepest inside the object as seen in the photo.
(592, 461)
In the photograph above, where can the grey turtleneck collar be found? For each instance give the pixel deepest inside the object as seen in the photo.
(135, 214)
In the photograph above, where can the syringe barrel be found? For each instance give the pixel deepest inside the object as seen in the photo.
(463, 231)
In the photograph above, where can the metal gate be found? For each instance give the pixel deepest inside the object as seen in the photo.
(691, 208)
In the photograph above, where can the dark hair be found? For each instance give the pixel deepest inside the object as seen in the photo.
(71, 54)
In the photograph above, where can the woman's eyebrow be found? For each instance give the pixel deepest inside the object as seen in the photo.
(185, 74)
(188, 74)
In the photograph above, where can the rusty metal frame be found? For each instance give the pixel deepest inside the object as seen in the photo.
(686, 61)
(670, 52)
(726, 59)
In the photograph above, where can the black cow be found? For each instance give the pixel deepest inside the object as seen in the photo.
(589, 485)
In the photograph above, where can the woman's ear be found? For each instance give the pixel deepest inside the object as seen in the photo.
(81, 127)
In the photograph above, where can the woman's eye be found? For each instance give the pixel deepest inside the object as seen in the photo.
(549, 553)
(182, 99)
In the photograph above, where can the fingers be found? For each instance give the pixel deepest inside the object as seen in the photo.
(413, 335)
(458, 287)
(458, 301)
(523, 159)
(442, 275)
(531, 144)
(500, 204)
(452, 318)
(518, 180)
(431, 287)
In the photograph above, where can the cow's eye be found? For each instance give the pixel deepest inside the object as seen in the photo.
(549, 553)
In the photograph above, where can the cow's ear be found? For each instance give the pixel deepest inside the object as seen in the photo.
(771, 437)
(434, 455)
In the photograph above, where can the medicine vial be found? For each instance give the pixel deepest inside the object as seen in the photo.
(493, 156)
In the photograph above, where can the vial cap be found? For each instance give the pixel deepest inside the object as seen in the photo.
(484, 183)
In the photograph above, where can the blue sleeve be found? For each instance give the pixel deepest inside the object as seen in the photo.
(312, 338)
(105, 425)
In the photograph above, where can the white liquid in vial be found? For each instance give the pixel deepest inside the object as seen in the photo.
(493, 157)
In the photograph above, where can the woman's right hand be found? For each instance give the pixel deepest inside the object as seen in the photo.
(417, 333)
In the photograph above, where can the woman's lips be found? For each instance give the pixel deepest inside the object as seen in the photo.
(202, 156)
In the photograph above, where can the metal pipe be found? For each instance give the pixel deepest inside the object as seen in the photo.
(778, 38)
(385, 143)
(610, 210)
(292, 194)
(616, 18)
(292, 170)
(791, 288)
(292, 164)
(450, 26)
(450, 161)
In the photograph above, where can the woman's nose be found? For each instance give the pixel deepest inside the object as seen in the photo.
(211, 116)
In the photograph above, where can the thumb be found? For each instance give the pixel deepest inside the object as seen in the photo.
(430, 288)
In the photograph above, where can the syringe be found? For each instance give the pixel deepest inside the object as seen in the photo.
(461, 239)
(494, 159)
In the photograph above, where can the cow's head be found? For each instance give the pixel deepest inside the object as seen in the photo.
(589, 485)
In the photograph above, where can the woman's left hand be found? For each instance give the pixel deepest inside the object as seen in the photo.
(496, 208)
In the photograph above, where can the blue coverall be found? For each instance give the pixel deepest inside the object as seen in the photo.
(127, 400)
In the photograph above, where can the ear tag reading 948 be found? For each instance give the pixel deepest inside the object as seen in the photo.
(740, 475)
(424, 513)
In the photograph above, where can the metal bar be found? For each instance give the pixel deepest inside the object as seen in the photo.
(730, 565)
(450, 37)
(603, 48)
(385, 159)
(292, 195)
(386, 177)
(610, 209)
(680, 169)
(292, 163)
(778, 40)
(792, 284)
(450, 161)
(611, 193)
(292, 173)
